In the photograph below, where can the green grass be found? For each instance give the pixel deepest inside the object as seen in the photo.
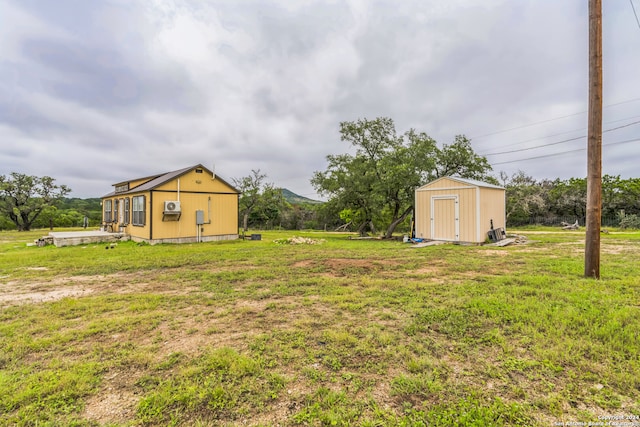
(346, 332)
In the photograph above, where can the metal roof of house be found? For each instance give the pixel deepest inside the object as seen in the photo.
(158, 180)
(467, 181)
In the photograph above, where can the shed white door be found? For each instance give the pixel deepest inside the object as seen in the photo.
(445, 218)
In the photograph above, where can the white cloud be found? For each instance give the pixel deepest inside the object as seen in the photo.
(93, 94)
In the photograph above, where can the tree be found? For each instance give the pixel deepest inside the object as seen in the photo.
(24, 197)
(524, 196)
(378, 183)
(258, 199)
(620, 194)
(459, 159)
(354, 182)
(569, 198)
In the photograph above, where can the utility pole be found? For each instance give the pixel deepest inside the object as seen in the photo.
(594, 144)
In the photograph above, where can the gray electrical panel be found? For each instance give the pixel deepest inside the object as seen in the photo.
(199, 217)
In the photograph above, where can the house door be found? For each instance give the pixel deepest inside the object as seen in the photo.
(445, 218)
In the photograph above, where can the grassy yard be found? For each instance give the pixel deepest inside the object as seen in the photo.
(341, 332)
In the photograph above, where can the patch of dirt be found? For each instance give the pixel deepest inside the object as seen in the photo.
(17, 292)
(341, 263)
(116, 401)
(191, 331)
(576, 243)
(618, 249)
(426, 270)
(494, 252)
(338, 263)
(7, 299)
(341, 267)
(303, 264)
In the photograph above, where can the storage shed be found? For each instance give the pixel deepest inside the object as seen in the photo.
(459, 210)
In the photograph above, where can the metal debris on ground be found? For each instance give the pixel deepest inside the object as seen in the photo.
(521, 240)
(504, 242)
(512, 239)
(567, 226)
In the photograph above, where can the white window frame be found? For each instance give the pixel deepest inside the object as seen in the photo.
(138, 211)
(107, 210)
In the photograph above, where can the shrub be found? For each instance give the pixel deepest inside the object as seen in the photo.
(628, 221)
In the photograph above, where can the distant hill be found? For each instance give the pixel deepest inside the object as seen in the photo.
(295, 199)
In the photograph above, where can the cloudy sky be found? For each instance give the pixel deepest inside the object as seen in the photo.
(96, 92)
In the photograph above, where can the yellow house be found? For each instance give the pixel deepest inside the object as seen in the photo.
(459, 210)
(188, 205)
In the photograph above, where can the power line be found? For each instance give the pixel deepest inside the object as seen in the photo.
(537, 146)
(558, 142)
(549, 120)
(560, 133)
(528, 125)
(564, 152)
(634, 13)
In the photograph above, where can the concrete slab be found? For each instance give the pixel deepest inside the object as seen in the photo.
(70, 234)
(70, 238)
(429, 243)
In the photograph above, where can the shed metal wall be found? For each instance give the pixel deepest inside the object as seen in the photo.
(492, 207)
(476, 206)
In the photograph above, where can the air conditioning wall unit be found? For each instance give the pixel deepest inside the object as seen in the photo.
(172, 206)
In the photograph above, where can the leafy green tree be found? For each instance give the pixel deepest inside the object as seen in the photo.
(328, 216)
(69, 218)
(268, 211)
(569, 198)
(626, 221)
(358, 182)
(378, 183)
(6, 224)
(620, 195)
(459, 159)
(525, 196)
(48, 218)
(24, 197)
(259, 201)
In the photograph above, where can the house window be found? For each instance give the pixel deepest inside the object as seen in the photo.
(107, 211)
(126, 211)
(138, 210)
(116, 209)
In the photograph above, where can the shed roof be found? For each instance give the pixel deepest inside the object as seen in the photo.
(467, 181)
(155, 181)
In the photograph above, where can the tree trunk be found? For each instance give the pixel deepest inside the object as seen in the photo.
(362, 229)
(245, 222)
(394, 223)
(26, 221)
